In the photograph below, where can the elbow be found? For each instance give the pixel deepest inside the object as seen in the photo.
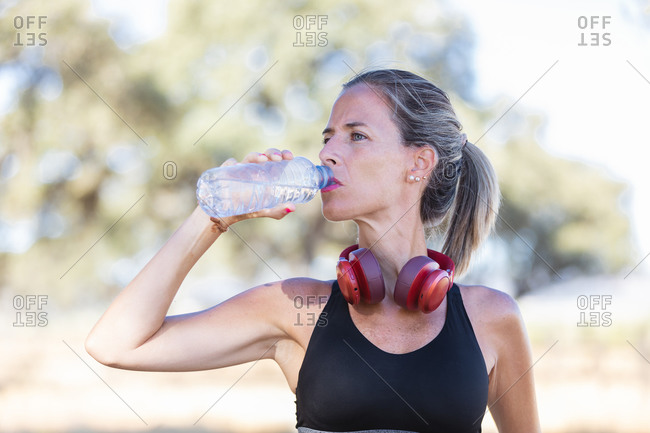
(100, 351)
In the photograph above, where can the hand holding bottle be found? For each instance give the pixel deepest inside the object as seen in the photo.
(277, 212)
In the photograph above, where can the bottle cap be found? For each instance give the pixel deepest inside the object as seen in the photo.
(326, 176)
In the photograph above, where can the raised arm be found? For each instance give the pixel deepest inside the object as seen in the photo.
(136, 333)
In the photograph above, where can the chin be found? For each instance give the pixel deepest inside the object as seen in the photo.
(331, 216)
(334, 214)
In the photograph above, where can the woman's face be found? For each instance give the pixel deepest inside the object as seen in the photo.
(363, 147)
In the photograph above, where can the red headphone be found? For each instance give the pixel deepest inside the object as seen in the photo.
(421, 284)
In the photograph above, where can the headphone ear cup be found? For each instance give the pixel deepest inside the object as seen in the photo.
(348, 281)
(371, 281)
(359, 276)
(421, 285)
(433, 291)
(410, 279)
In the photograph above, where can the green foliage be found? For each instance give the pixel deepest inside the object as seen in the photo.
(568, 213)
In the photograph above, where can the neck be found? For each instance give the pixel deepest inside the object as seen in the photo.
(393, 242)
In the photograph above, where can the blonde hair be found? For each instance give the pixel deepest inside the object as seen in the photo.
(462, 190)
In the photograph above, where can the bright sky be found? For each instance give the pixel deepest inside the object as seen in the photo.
(595, 102)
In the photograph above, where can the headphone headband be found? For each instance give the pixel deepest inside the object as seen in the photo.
(445, 262)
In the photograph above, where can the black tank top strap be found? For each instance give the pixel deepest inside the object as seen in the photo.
(457, 321)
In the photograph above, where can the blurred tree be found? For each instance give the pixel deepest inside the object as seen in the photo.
(109, 142)
(560, 217)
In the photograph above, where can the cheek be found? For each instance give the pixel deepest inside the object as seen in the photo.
(379, 182)
(383, 180)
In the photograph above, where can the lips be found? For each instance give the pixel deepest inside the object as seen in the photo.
(333, 186)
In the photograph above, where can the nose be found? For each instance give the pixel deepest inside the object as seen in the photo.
(329, 155)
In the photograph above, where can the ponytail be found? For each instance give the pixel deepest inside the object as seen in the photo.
(475, 207)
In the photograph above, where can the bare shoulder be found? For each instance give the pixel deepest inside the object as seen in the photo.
(278, 301)
(304, 287)
(488, 304)
(495, 317)
(291, 287)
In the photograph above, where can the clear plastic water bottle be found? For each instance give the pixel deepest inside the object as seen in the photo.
(244, 188)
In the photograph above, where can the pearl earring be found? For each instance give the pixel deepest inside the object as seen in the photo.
(411, 177)
(417, 178)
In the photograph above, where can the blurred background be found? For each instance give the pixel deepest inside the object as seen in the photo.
(109, 112)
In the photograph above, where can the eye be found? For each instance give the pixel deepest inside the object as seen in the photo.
(357, 136)
(325, 140)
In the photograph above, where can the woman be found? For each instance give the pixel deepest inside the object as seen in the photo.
(401, 164)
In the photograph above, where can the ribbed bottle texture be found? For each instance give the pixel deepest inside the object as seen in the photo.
(244, 188)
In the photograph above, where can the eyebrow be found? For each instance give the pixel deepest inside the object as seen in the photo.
(349, 125)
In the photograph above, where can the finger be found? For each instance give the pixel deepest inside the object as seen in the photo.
(281, 210)
(277, 212)
(219, 225)
(228, 162)
(255, 157)
(274, 154)
(287, 154)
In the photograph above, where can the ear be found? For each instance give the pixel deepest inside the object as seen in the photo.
(424, 161)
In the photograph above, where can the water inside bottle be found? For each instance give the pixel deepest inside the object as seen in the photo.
(235, 199)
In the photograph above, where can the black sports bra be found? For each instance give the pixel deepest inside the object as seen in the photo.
(348, 384)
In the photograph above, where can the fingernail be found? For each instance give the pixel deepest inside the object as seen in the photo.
(288, 210)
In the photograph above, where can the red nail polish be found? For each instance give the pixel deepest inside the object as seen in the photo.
(287, 210)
